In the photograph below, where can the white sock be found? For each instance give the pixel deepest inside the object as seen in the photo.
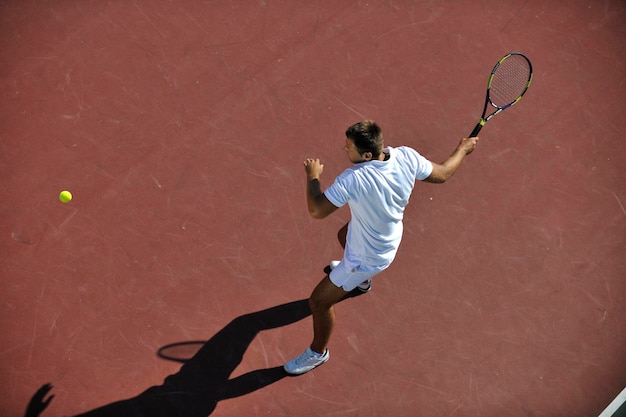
(317, 355)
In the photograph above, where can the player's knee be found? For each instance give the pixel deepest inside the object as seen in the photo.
(317, 302)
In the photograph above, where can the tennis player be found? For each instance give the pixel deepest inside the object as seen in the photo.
(377, 190)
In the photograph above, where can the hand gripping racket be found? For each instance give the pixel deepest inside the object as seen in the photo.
(508, 82)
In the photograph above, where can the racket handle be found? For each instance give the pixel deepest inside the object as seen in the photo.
(476, 130)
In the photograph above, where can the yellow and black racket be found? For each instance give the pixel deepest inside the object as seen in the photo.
(508, 82)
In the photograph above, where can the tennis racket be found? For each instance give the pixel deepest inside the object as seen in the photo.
(508, 82)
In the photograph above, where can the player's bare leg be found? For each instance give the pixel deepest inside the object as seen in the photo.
(341, 235)
(322, 302)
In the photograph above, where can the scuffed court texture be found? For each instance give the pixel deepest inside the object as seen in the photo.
(180, 129)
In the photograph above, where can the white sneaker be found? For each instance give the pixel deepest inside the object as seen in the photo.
(365, 286)
(306, 362)
(330, 267)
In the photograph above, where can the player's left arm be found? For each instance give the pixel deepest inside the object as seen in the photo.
(318, 204)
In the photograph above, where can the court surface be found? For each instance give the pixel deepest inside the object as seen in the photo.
(181, 127)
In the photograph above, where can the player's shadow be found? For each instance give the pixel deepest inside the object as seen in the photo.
(204, 379)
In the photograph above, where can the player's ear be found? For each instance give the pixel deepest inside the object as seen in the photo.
(368, 156)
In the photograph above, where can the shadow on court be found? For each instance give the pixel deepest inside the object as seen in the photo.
(204, 379)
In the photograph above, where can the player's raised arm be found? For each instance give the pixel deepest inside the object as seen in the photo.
(318, 204)
(443, 171)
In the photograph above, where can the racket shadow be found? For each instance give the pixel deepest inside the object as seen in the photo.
(204, 378)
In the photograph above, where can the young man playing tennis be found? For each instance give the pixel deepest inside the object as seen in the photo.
(377, 189)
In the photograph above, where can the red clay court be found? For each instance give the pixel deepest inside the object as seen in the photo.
(181, 127)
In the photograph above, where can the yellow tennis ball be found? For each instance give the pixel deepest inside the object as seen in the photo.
(65, 196)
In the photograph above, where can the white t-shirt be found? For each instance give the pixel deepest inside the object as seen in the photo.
(377, 193)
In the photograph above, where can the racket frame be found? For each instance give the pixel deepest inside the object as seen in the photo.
(488, 101)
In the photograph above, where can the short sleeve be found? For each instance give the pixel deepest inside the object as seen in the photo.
(338, 193)
(422, 166)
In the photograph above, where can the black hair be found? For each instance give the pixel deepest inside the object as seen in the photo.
(367, 137)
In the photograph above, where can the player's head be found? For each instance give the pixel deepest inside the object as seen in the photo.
(367, 137)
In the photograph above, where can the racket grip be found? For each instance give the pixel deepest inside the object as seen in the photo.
(476, 130)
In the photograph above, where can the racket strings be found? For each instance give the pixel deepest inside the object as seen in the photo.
(509, 81)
